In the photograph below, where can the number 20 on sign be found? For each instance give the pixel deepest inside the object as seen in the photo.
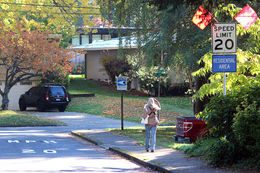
(224, 38)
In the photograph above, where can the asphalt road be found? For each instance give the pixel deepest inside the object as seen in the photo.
(52, 149)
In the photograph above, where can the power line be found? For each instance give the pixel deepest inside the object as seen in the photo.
(46, 5)
(76, 13)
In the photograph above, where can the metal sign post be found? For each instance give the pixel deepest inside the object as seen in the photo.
(122, 111)
(122, 86)
(224, 83)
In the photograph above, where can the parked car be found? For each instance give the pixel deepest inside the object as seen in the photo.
(43, 96)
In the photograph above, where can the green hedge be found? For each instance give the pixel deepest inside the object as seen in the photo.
(234, 120)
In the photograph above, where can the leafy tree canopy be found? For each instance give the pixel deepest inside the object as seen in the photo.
(58, 16)
(248, 60)
(26, 54)
(165, 28)
(165, 25)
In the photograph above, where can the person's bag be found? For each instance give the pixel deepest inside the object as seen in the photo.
(145, 120)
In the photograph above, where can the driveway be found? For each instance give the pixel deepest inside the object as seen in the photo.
(77, 121)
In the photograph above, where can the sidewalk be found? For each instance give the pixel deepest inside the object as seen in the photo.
(162, 160)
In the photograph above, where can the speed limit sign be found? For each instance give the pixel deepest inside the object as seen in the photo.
(224, 38)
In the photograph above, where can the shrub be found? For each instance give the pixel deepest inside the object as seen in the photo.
(201, 146)
(219, 114)
(250, 163)
(78, 68)
(234, 120)
(52, 77)
(246, 128)
(223, 153)
(114, 66)
(221, 111)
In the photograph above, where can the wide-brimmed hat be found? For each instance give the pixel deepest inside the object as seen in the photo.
(154, 103)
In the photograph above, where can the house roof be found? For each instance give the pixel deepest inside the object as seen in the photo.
(113, 44)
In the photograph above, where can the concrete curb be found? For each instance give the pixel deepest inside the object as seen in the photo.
(82, 95)
(93, 141)
(141, 162)
(124, 154)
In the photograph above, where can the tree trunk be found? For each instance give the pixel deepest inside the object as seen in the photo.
(190, 83)
(5, 101)
(199, 105)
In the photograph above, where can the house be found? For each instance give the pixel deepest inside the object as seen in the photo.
(86, 35)
(17, 90)
(93, 53)
(99, 32)
(90, 48)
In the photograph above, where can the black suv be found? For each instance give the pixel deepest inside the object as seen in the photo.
(48, 95)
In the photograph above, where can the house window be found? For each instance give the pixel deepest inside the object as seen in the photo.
(84, 39)
(106, 37)
(26, 83)
(75, 40)
(96, 37)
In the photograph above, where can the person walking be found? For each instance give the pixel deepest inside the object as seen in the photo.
(151, 109)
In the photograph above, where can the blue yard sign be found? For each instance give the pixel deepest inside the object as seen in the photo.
(122, 83)
(224, 63)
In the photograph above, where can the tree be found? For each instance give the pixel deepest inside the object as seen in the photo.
(248, 59)
(147, 77)
(57, 16)
(191, 43)
(165, 25)
(163, 29)
(25, 54)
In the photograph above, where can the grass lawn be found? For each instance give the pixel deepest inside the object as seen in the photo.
(164, 136)
(17, 119)
(107, 102)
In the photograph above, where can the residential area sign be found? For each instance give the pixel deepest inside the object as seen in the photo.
(224, 63)
(122, 83)
(224, 38)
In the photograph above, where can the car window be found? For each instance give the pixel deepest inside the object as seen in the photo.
(30, 90)
(33, 90)
(57, 91)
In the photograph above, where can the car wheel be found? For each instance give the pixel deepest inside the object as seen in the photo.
(40, 106)
(22, 105)
(62, 108)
